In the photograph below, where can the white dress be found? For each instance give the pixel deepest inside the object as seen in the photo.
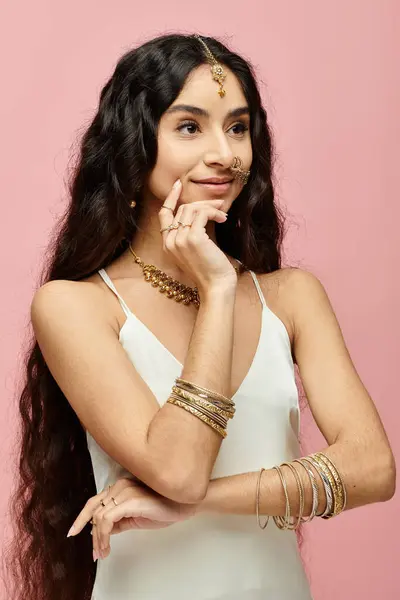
(212, 556)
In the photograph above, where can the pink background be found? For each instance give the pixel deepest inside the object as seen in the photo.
(330, 80)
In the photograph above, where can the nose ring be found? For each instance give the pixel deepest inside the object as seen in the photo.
(238, 171)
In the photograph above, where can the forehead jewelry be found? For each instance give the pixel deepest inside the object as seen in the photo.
(238, 171)
(217, 69)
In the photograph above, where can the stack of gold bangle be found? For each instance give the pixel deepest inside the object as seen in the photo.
(210, 407)
(335, 491)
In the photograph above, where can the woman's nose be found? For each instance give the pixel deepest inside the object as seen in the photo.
(220, 153)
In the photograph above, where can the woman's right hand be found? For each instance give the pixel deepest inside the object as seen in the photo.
(192, 249)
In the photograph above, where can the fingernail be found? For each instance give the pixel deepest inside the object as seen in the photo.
(95, 557)
(71, 531)
(177, 183)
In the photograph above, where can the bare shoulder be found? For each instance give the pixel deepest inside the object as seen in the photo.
(66, 298)
(286, 291)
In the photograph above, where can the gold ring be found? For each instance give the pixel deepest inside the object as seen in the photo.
(167, 228)
(184, 224)
(169, 208)
(102, 503)
(114, 500)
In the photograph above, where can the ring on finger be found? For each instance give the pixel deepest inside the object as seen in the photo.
(168, 228)
(185, 224)
(114, 500)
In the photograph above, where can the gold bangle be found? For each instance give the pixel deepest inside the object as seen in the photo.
(300, 488)
(279, 521)
(326, 484)
(258, 501)
(214, 417)
(209, 405)
(314, 485)
(201, 390)
(199, 415)
(337, 476)
(336, 497)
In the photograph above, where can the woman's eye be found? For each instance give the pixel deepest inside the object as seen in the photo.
(193, 127)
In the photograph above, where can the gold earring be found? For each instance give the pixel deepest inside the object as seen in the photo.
(217, 69)
(238, 171)
(133, 203)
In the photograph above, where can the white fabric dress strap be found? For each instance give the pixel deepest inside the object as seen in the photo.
(104, 275)
(258, 287)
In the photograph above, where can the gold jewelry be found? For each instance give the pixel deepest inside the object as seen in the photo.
(217, 69)
(238, 171)
(102, 503)
(168, 285)
(203, 392)
(184, 224)
(167, 228)
(335, 484)
(283, 523)
(300, 488)
(217, 419)
(114, 500)
(169, 208)
(198, 414)
(258, 502)
(326, 484)
(336, 476)
(314, 485)
(133, 203)
(199, 401)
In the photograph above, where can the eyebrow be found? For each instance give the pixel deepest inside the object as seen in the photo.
(196, 110)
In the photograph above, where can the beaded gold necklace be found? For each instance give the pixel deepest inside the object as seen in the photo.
(167, 285)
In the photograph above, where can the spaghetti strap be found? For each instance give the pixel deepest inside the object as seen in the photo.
(258, 287)
(107, 280)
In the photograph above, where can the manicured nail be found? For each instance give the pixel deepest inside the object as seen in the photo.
(95, 557)
(71, 531)
(177, 183)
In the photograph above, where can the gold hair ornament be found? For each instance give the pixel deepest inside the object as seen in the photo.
(217, 69)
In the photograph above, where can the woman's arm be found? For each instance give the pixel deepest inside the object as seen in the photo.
(365, 483)
(342, 409)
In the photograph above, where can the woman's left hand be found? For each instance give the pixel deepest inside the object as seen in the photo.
(136, 507)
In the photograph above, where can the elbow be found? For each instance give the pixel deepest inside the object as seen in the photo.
(181, 488)
(389, 485)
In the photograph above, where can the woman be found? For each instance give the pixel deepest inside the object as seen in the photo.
(172, 426)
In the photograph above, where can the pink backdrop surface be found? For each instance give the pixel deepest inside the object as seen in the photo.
(330, 81)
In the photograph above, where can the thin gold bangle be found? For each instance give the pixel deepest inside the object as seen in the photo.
(325, 483)
(300, 488)
(314, 485)
(337, 497)
(199, 415)
(258, 501)
(209, 405)
(213, 416)
(337, 476)
(198, 388)
(278, 519)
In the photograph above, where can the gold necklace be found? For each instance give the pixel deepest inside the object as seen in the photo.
(167, 285)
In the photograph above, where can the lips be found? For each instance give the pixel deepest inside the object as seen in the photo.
(215, 188)
(215, 180)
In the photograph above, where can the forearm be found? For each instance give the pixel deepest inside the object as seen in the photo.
(183, 446)
(366, 480)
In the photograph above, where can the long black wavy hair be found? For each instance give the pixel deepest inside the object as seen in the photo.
(117, 152)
